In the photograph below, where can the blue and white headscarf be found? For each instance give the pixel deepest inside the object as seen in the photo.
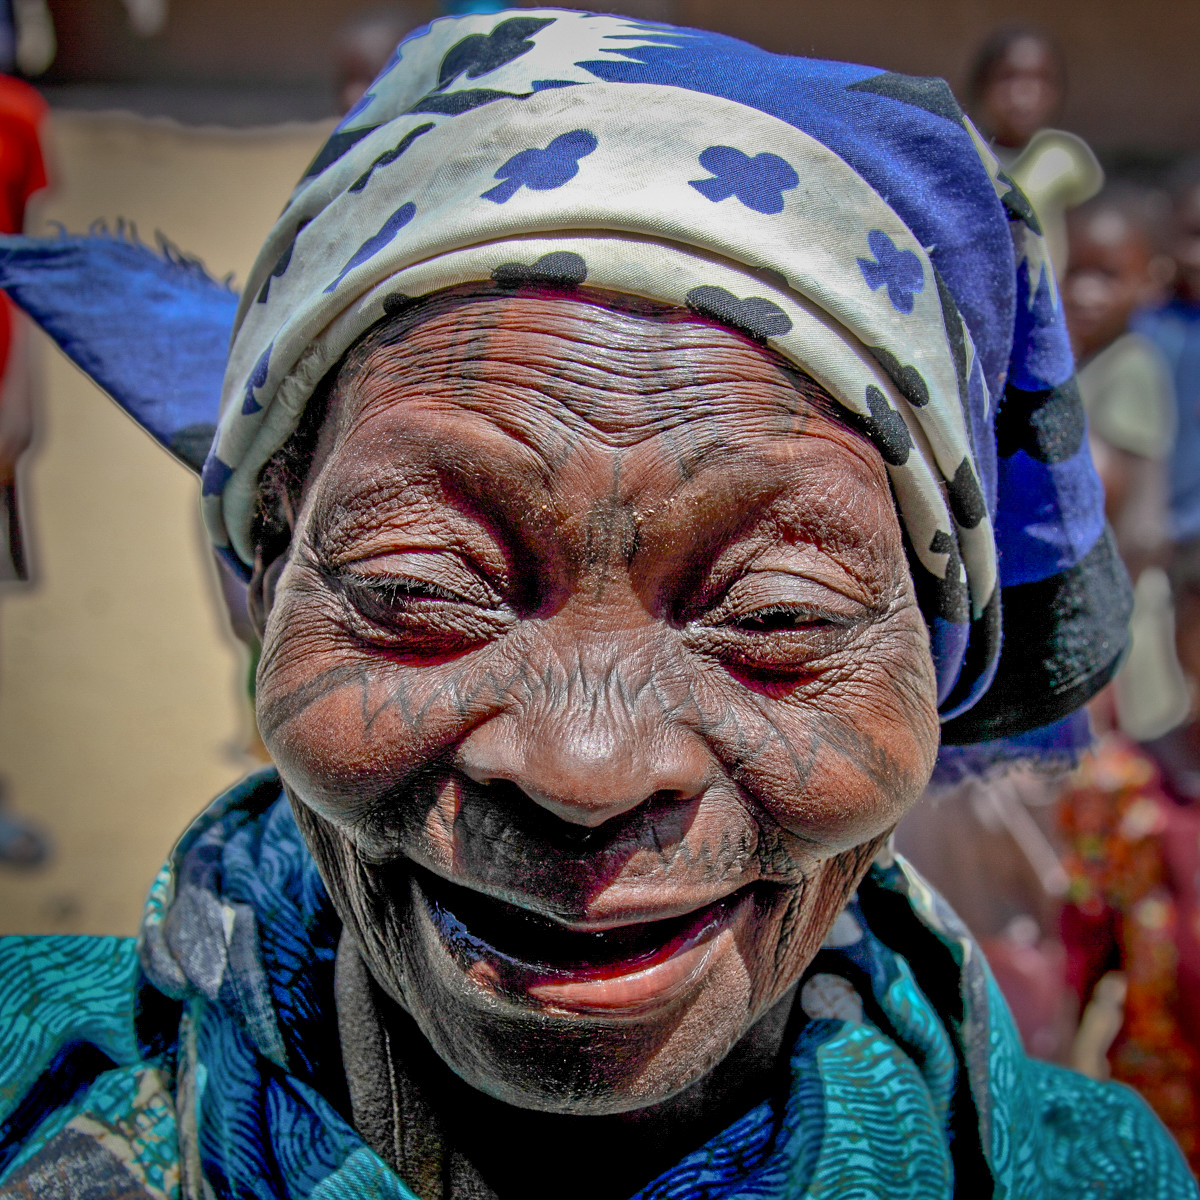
(848, 218)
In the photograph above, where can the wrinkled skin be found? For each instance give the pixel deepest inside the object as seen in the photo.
(595, 616)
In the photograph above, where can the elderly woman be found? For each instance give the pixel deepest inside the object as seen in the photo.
(617, 437)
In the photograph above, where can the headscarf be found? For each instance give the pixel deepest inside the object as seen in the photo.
(850, 219)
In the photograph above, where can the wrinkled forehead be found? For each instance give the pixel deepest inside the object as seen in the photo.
(611, 368)
(511, 405)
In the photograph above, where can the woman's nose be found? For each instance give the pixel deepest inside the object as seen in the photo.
(586, 773)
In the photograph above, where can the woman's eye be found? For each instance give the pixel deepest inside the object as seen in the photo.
(420, 615)
(754, 631)
(394, 590)
(779, 617)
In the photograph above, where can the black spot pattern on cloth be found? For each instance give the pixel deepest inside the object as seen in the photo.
(885, 427)
(1048, 426)
(387, 157)
(333, 149)
(1016, 204)
(562, 267)
(190, 445)
(755, 315)
(281, 263)
(910, 383)
(945, 597)
(1063, 639)
(952, 319)
(397, 303)
(453, 104)
(73, 1166)
(966, 497)
(922, 91)
(483, 52)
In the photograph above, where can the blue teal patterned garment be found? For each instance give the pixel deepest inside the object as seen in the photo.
(204, 1061)
(849, 218)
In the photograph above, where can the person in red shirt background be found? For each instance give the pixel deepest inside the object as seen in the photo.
(22, 172)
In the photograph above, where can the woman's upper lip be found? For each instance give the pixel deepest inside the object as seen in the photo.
(625, 915)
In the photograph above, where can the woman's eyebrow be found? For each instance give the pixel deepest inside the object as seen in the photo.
(452, 504)
(340, 524)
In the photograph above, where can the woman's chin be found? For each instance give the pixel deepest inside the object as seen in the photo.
(577, 1023)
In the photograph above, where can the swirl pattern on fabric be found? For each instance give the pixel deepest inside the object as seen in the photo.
(905, 1097)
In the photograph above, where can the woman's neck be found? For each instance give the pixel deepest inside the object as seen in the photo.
(452, 1142)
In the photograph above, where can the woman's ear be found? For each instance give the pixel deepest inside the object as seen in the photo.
(263, 578)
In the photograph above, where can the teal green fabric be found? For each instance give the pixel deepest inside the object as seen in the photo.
(204, 1062)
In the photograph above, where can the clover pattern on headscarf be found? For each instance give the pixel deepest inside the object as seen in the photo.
(558, 147)
(900, 271)
(481, 53)
(758, 182)
(376, 242)
(389, 156)
(281, 265)
(257, 378)
(545, 169)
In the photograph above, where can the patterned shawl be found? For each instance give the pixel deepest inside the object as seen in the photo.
(212, 1068)
(851, 220)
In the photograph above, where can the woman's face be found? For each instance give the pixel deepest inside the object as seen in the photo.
(596, 678)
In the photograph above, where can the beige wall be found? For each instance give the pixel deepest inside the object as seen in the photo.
(121, 703)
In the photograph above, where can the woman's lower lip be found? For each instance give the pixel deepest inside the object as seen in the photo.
(655, 985)
(661, 970)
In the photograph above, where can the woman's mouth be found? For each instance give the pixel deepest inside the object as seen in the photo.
(624, 969)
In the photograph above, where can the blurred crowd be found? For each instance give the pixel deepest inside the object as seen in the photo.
(1083, 888)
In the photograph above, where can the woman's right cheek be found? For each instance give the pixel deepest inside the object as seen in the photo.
(349, 730)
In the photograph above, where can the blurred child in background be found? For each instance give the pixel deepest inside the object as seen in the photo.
(1174, 327)
(1018, 85)
(1115, 270)
(1017, 88)
(1131, 853)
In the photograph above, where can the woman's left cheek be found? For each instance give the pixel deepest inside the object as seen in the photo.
(849, 764)
(790, 935)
